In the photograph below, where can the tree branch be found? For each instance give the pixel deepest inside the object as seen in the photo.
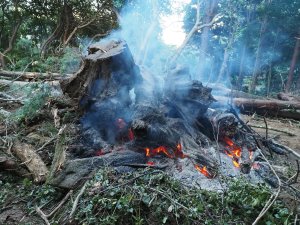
(195, 28)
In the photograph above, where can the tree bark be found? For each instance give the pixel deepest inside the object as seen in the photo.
(292, 67)
(224, 64)
(209, 13)
(274, 107)
(241, 71)
(10, 45)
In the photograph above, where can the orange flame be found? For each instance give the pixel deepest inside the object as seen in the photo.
(147, 150)
(162, 149)
(202, 170)
(178, 151)
(233, 151)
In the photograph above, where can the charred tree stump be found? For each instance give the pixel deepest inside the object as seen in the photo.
(107, 69)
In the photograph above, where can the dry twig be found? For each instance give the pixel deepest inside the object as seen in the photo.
(44, 216)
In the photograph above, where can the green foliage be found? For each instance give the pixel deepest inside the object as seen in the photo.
(26, 56)
(155, 198)
(36, 98)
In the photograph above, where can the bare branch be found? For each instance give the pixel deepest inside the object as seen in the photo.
(195, 28)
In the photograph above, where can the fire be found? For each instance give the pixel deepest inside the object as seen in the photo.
(99, 152)
(130, 134)
(164, 150)
(203, 170)
(150, 163)
(236, 163)
(148, 152)
(158, 150)
(178, 151)
(233, 151)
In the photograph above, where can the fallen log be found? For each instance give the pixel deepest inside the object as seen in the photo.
(287, 97)
(31, 160)
(219, 90)
(24, 83)
(218, 124)
(31, 75)
(269, 107)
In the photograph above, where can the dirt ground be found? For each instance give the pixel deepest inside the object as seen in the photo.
(284, 131)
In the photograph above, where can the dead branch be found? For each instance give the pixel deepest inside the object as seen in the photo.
(45, 144)
(77, 200)
(59, 155)
(18, 75)
(31, 159)
(195, 28)
(5, 83)
(77, 28)
(274, 129)
(289, 150)
(273, 197)
(44, 216)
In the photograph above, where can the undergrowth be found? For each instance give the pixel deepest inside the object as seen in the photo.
(155, 198)
(150, 197)
(35, 98)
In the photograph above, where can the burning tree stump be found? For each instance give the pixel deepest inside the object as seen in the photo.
(121, 126)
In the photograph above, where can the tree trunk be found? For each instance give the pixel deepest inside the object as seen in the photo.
(209, 13)
(223, 66)
(292, 67)
(258, 56)
(241, 71)
(269, 74)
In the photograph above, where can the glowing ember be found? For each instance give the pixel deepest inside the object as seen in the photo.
(150, 163)
(178, 152)
(130, 135)
(203, 170)
(164, 150)
(161, 149)
(148, 152)
(99, 152)
(236, 163)
(233, 151)
(251, 155)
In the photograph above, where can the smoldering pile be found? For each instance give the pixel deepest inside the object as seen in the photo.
(127, 124)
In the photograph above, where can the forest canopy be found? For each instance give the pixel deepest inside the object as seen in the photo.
(254, 46)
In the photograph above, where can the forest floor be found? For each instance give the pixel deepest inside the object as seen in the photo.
(285, 131)
(143, 197)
